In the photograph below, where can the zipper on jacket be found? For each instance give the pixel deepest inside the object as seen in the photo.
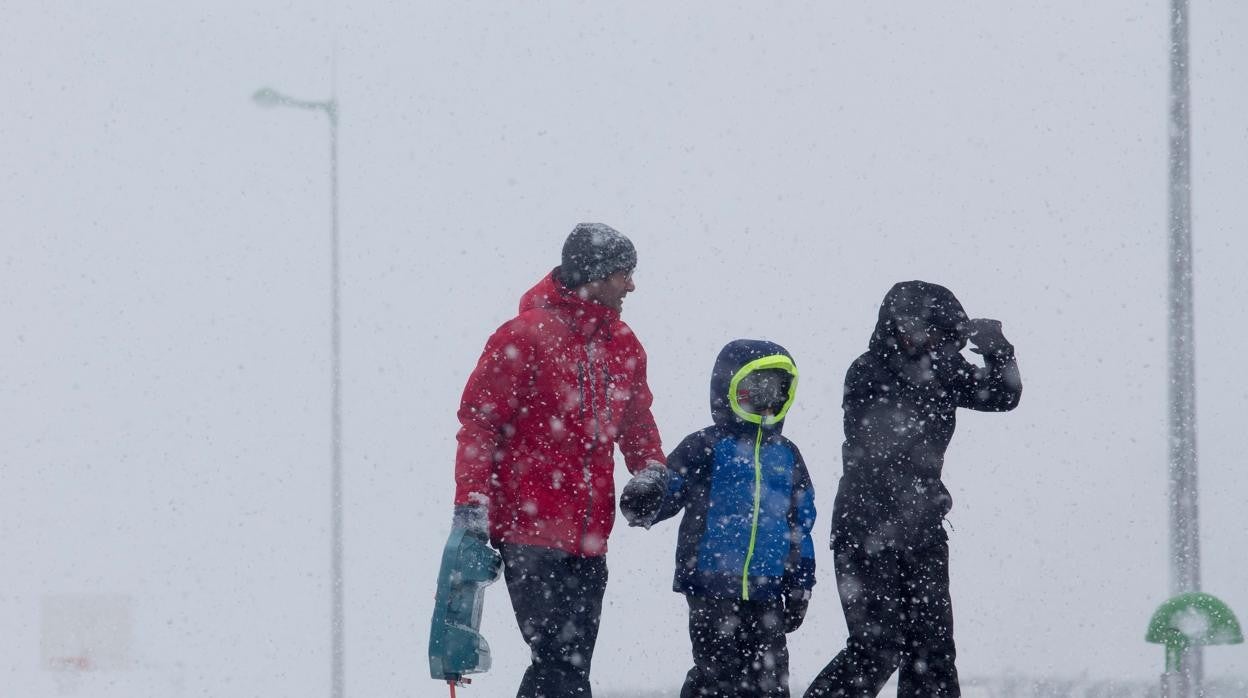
(588, 459)
(580, 384)
(593, 392)
(758, 490)
(606, 392)
(589, 507)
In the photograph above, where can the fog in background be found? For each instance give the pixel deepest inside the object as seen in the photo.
(164, 291)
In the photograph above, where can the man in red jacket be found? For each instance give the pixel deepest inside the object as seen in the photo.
(555, 389)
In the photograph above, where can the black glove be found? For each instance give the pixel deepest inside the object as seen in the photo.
(986, 335)
(643, 495)
(473, 518)
(796, 602)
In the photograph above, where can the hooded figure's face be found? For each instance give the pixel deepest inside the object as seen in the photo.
(918, 319)
(765, 391)
(753, 384)
(917, 336)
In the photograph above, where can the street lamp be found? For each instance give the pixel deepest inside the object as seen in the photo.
(267, 97)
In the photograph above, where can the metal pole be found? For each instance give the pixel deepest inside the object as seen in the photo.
(267, 97)
(1184, 520)
(336, 602)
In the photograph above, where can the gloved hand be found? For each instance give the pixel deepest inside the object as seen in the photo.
(796, 601)
(986, 335)
(473, 518)
(642, 497)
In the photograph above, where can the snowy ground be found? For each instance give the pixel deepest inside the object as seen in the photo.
(1019, 687)
(172, 681)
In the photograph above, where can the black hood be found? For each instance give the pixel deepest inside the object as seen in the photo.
(732, 358)
(931, 302)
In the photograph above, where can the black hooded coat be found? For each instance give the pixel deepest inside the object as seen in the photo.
(900, 414)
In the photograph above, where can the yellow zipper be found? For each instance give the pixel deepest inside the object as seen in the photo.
(758, 488)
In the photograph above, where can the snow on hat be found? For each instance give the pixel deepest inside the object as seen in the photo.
(595, 251)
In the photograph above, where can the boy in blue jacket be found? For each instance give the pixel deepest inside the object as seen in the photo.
(744, 557)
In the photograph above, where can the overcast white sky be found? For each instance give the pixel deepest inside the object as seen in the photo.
(164, 296)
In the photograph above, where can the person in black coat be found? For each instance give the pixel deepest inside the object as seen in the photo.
(891, 550)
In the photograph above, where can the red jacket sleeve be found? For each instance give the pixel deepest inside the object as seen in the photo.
(488, 405)
(639, 437)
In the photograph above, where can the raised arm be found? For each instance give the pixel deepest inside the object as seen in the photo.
(997, 386)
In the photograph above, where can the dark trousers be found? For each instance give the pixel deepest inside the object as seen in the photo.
(557, 598)
(900, 616)
(739, 649)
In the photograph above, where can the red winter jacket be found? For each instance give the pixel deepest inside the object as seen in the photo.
(554, 390)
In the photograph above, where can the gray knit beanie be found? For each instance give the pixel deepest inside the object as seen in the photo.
(594, 251)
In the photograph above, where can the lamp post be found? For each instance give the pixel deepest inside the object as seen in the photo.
(1184, 520)
(267, 97)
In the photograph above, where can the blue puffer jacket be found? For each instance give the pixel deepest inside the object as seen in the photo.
(748, 500)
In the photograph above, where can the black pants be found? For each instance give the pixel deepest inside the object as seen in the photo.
(557, 598)
(899, 615)
(739, 649)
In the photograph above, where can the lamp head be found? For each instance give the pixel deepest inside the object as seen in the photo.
(267, 97)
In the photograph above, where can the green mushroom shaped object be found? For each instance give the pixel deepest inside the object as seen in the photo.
(1192, 619)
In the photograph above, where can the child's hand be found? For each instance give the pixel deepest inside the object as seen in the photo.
(796, 601)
